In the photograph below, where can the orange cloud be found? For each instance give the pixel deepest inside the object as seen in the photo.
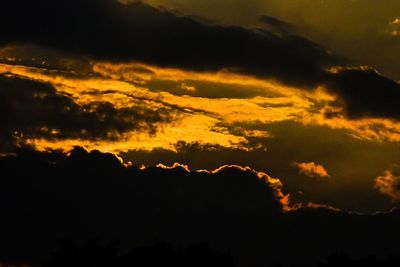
(312, 170)
(389, 184)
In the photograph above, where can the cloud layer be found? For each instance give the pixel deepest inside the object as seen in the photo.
(138, 32)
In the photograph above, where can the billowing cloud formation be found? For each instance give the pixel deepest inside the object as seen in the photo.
(46, 196)
(389, 184)
(312, 170)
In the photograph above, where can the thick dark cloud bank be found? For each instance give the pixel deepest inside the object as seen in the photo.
(45, 197)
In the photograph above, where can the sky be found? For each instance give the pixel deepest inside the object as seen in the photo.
(302, 94)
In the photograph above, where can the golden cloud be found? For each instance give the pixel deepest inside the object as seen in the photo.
(389, 184)
(312, 170)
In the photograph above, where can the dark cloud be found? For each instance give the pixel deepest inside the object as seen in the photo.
(45, 57)
(109, 30)
(352, 164)
(113, 31)
(31, 109)
(47, 196)
(366, 93)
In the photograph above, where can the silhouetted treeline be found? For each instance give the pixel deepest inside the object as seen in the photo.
(344, 260)
(94, 254)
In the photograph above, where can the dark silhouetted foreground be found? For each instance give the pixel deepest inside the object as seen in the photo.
(45, 197)
(93, 254)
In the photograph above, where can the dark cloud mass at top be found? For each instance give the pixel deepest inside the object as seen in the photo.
(109, 30)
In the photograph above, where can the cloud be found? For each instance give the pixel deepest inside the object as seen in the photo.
(187, 118)
(312, 170)
(123, 85)
(276, 25)
(396, 21)
(346, 159)
(389, 184)
(91, 192)
(311, 205)
(139, 32)
(394, 29)
(366, 93)
(31, 109)
(395, 33)
(47, 196)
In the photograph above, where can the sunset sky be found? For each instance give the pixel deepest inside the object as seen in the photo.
(305, 92)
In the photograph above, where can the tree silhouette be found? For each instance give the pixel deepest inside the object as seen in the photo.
(95, 254)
